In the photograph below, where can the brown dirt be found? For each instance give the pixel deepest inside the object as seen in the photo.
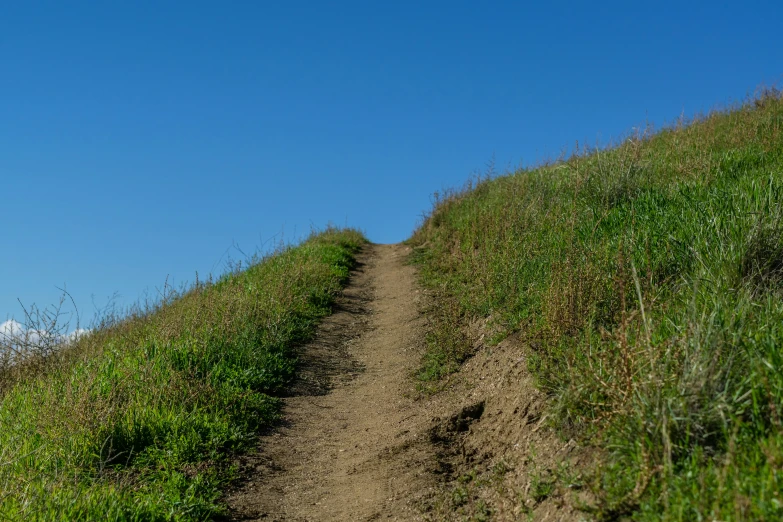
(508, 464)
(348, 450)
(360, 443)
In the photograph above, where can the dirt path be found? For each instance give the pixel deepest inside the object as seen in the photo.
(351, 447)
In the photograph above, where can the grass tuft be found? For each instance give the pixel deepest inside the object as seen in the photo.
(762, 264)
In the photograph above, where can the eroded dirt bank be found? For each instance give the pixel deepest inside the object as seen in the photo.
(351, 447)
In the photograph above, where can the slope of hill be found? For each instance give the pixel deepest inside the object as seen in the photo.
(645, 282)
(137, 421)
(601, 336)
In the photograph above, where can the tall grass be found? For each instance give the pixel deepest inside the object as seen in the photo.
(647, 279)
(138, 420)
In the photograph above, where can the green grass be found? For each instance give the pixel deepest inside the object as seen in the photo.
(139, 421)
(446, 347)
(647, 280)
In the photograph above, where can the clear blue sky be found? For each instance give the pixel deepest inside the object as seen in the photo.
(139, 140)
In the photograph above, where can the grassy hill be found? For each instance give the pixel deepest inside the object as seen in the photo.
(647, 282)
(138, 421)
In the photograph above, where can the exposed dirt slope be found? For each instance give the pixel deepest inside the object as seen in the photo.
(505, 463)
(349, 448)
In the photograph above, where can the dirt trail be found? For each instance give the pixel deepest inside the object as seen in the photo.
(350, 446)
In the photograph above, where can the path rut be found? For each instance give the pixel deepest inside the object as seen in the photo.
(351, 445)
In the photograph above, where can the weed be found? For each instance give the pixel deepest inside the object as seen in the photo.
(541, 486)
(482, 512)
(459, 496)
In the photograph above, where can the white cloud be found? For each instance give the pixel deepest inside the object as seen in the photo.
(12, 329)
(13, 333)
(77, 334)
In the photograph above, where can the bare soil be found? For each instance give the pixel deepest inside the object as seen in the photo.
(507, 464)
(359, 442)
(348, 450)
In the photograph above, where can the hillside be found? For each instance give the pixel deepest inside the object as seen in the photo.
(643, 284)
(141, 419)
(599, 337)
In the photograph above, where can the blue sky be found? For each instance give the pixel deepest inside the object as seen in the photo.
(140, 140)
